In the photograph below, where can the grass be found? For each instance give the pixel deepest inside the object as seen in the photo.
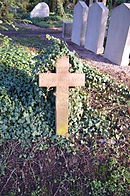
(33, 42)
(24, 36)
(49, 22)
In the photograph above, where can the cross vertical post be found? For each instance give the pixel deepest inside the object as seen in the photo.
(62, 79)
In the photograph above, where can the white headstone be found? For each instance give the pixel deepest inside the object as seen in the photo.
(96, 28)
(67, 30)
(118, 41)
(79, 23)
(41, 10)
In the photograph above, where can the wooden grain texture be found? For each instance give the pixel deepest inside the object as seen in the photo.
(62, 80)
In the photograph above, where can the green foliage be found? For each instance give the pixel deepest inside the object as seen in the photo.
(9, 8)
(21, 107)
(111, 4)
(53, 20)
(83, 116)
(33, 42)
(115, 177)
(19, 84)
(96, 112)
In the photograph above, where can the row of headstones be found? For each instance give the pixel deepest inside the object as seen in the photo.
(89, 30)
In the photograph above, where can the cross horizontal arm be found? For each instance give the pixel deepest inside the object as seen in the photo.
(75, 79)
(47, 80)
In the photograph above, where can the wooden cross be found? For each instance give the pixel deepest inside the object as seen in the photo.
(62, 80)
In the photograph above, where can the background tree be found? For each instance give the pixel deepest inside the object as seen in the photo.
(57, 6)
(24, 4)
(9, 8)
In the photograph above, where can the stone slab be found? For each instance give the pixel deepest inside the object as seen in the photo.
(79, 23)
(118, 41)
(41, 10)
(96, 27)
(67, 30)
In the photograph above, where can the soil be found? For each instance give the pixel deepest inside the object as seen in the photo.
(119, 73)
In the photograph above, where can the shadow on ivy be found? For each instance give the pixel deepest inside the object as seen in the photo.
(24, 106)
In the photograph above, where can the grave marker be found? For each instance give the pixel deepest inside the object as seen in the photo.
(41, 10)
(62, 80)
(118, 41)
(79, 23)
(96, 27)
(67, 30)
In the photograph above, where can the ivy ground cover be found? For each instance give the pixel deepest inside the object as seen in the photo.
(92, 160)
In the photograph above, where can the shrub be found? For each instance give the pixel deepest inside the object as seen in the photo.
(19, 83)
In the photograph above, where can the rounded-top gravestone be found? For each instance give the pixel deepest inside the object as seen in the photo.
(41, 10)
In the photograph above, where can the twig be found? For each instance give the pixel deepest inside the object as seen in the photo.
(33, 173)
(11, 151)
(7, 181)
(65, 161)
(57, 189)
(67, 191)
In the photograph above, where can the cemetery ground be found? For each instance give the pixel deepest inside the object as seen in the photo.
(93, 158)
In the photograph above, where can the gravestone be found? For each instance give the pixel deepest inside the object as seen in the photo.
(41, 10)
(62, 80)
(67, 30)
(118, 41)
(79, 23)
(96, 28)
